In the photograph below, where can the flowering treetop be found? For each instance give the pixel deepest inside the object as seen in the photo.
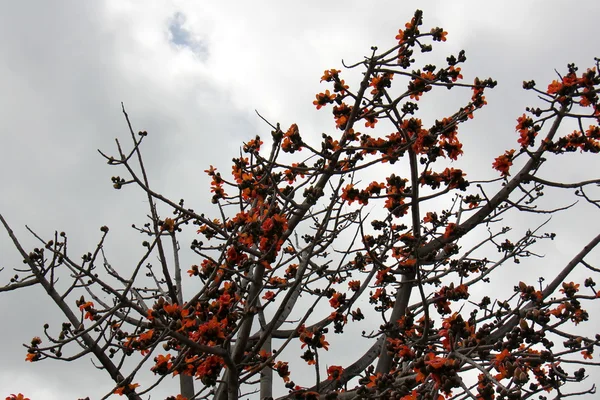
(292, 236)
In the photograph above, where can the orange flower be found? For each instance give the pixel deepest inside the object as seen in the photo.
(160, 359)
(400, 36)
(375, 296)
(371, 121)
(382, 275)
(412, 396)
(163, 364)
(499, 359)
(168, 225)
(146, 335)
(253, 145)
(270, 295)
(17, 397)
(449, 230)
(212, 331)
(150, 314)
(281, 220)
(435, 362)
(439, 35)
(324, 343)
(350, 194)
(341, 114)
(454, 73)
(570, 288)
(504, 162)
(419, 378)
(324, 99)
(283, 370)
(330, 75)
(523, 123)
(334, 372)
(267, 225)
(337, 300)
(379, 82)
(554, 87)
(120, 390)
(340, 87)
(209, 368)
(86, 305)
(409, 262)
(430, 217)
(585, 101)
(171, 308)
(373, 380)
(503, 373)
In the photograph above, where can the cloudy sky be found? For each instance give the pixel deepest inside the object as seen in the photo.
(192, 73)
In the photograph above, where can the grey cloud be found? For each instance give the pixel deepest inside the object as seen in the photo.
(65, 67)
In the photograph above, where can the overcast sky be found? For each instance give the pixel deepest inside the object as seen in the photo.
(192, 73)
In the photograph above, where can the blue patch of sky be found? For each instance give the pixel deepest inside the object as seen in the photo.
(182, 37)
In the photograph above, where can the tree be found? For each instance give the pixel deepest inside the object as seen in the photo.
(383, 221)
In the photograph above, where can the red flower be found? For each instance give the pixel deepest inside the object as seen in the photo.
(371, 121)
(283, 370)
(439, 35)
(171, 308)
(270, 295)
(375, 296)
(569, 289)
(454, 73)
(400, 36)
(120, 390)
(253, 145)
(554, 87)
(337, 300)
(408, 262)
(323, 343)
(146, 335)
(450, 228)
(435, 362)
(267, 225)
(412, 396)
(210, 367)
(323, 99)
(499, 359)
(504, 162)
(430, 217)
(334, 372)
(163, 364)
(86, 305)
(330, 75)
(350, 194)
(232, 255)
(17, 397)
